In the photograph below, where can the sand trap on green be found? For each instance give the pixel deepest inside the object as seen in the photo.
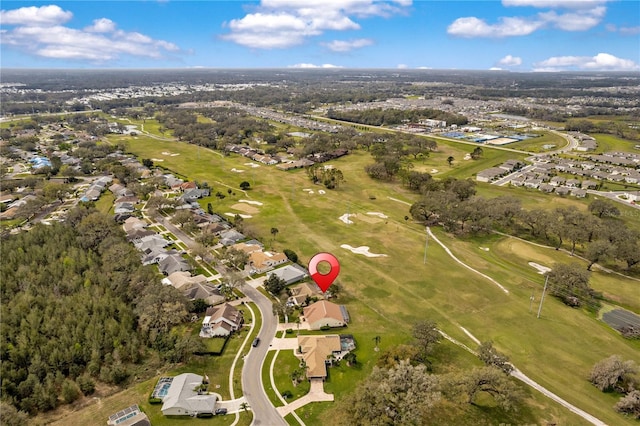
(363, 250)
(246, 208)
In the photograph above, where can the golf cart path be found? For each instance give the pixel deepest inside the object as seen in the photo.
(524, 378)
(446, 249)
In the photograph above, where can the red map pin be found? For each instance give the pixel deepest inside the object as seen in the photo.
(324, 281)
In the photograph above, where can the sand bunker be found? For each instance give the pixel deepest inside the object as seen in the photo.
(245, 208)
(433, 171)
(321, 192)
(467, 157)
(169, 153)
(363, 250)
(380, 215)
(237, 170)
(541, 269)
(256, 203)
(157, 160)
(244, 216)
(345, 218)
(254, 165)
(484, 248)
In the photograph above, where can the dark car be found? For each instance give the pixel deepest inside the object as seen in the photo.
(256, 342)
(220, 411)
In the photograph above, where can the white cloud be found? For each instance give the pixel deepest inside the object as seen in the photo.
(553, 4)
(623, 30)
(495, 69)
(575, 21)
(102, 25)
(348, 45)
(99, 42)
(599, 62)
(581, 16)
(305, 65)
(474, 27)
(402, 66)
(286, 23)
(510, 61)
(630, 30)
(35, 16)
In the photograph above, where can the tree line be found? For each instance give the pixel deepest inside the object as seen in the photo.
(79, 308)
(390, 117)
(404, 390)
(598, 233)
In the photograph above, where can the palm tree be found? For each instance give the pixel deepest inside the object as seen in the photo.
(377, 340)
(450, 160)
(244, 406)
(274, 232)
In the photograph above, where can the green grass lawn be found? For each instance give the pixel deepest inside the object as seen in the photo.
(386, 295)
(608, 142)
(105, 203)
(286, 363)
(266, 380)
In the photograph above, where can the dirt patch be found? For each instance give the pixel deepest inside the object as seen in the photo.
(368, 219)
(247, 208)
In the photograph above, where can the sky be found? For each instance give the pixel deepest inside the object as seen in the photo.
(510, 35)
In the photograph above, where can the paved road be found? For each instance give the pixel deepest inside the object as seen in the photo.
(264, 413)
(613, 195)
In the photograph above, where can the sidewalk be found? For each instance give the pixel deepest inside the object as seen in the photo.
(316, 394)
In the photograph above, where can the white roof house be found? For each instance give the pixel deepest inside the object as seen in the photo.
(183, 399)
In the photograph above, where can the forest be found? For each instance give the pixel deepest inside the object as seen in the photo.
(78, 308)
(390, 117)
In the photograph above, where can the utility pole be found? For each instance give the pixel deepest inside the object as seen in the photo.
(426, 244)
(546, 280)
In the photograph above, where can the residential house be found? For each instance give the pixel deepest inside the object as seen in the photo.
(173, 263)
(563, 190)
(122, 208)
(490, 174)
(194, 194)
(260, 262)
(183, 399)
(557, 181)
(132, 224)
(546, 187)
(324, 313)
(589, 184)
(130, 416)
(532, 183)
(183, 280)
(230, 237)
(221, 321)
(151, 242)
(248, 247)
(205, 291)
(579, 193)
(572, 183)
(290, 273)
(633, 196)
(302, 292)
(316, 351)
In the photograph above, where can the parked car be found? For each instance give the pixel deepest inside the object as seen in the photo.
(256, 342)
(221, 411)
